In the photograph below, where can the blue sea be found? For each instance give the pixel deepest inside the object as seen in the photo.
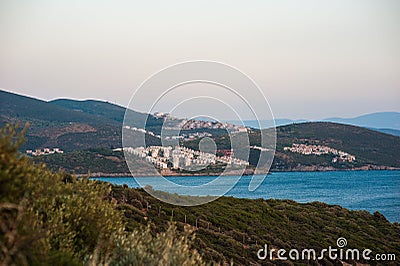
(356, 190)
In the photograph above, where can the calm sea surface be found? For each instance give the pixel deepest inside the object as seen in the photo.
(357, 190)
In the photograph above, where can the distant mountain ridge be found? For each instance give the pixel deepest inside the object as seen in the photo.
(389, 131)
(386, 122)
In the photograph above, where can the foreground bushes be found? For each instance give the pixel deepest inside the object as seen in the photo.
(55, 219)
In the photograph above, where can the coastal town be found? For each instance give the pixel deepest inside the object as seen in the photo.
(178, 157)
(340, 156)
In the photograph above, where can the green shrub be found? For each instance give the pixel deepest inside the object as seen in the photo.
(51, 218)
(141, 248)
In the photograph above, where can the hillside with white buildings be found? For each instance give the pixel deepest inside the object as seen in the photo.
(164, 157)
(318, 150)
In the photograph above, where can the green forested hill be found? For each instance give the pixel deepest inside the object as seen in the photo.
(108, 111)
(84, 161)
(68, 124)
(14, 106)
(97, 108)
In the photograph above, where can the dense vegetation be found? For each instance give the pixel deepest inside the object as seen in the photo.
(51, 218)
(82, 162)
(235, 229)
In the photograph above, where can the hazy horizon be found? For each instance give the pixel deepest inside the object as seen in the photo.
(279, 118)
(312, 59)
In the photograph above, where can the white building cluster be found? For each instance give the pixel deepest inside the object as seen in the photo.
(143, 131)
(199, 124)
(320, 150)
(173, 123)
(181, 157)
(181, 125)
(196, 135)
(45, 151)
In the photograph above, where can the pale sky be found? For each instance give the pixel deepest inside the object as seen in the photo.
(312, 59)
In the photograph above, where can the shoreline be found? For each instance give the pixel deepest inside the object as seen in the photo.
(119, 175)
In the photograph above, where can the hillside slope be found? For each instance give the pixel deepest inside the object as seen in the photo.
(235, 229)
(113, 112)
(97, 108)
(67, 124)
(14, 106)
